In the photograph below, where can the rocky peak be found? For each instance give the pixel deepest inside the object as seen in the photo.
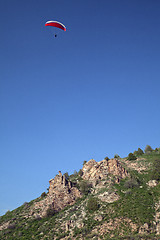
(59, 183)
(61, 194)
(93, 170)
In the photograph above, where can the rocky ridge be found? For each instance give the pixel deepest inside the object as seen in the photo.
(61, 194)
(72, 218)
(62, 191)
(93, 171)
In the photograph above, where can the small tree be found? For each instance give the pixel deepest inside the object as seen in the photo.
(116, 156)
(148, 149)
(106, 158)
(131, 157)
(84, 162)
(140, 151)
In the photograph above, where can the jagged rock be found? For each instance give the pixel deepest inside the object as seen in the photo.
(144, 229)
(93, 170)
(68, 225)
(139, 164)
(79, 224)
(98, 218)
(108, 197)
(61, 194)
(157, 217)
(4, 225)
(152, 183)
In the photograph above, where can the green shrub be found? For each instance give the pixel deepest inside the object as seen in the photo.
(85, 187)
(131, 157)
(106, 158)
(50, 212)
(116, 156)
(131, 183)
(92, 204)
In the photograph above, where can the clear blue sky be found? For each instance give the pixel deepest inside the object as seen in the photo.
(92, 92)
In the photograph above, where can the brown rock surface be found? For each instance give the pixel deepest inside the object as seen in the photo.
(61, 194)
(93, 170)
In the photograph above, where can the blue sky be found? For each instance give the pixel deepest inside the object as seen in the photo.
(91, 92)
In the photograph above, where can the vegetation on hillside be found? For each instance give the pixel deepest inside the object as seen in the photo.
(132, 216)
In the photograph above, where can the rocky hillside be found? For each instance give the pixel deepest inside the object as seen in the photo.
(111, 199)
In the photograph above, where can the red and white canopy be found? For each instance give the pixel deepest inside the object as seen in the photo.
(55, 24)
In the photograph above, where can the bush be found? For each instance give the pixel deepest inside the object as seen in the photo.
(84, 162)
(131, 157)
(85, 187)
(50, 212)
(116, 156)
(131, 183)
(106, 158)
(92, 205)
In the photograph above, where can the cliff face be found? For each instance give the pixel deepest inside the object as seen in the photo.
(61, 194)
(93, 170)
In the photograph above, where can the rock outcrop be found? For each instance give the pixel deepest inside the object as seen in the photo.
(61, 194)
(93, 170)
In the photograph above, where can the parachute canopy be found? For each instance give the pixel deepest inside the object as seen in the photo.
(55, 24)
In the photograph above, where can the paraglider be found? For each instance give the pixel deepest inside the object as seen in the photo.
(55, 24)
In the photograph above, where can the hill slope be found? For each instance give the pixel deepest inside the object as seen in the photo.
(110, 199)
